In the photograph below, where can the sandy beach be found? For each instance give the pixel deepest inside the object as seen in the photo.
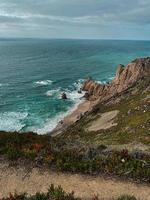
(74, 116)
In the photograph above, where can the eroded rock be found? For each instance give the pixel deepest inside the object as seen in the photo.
(125, 78)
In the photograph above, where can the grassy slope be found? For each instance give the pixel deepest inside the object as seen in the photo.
(133, 120)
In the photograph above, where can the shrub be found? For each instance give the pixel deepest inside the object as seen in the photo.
(16, 197)
(54, 193)
(13, 154)
(126, 197)
(30, 153)
(38, 196)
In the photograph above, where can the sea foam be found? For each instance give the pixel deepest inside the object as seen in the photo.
(54, 92)
(12, 121)
(72, 95)
(51, 124)
(44, 82)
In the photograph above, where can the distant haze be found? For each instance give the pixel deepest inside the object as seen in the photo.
(88, 19)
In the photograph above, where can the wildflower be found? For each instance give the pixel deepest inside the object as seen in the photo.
(123, 160)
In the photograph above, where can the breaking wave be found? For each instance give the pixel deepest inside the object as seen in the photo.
(44, 82)
(54, 92)
(12, 121)
(72, 95)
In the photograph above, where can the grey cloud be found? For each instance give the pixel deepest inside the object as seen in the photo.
(72, 17)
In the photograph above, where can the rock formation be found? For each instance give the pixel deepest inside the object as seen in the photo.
(125, 78)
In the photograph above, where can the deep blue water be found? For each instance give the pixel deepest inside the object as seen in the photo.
(34, 72)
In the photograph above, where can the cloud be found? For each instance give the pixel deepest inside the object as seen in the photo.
(100, 17)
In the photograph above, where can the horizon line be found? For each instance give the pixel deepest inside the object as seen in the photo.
(48, 38)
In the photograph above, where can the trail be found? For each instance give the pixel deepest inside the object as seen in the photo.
(34, 180)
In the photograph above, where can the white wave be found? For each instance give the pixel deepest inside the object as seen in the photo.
(49, 125)
(44, 82)
(111, 78)
(102, 82)
(52, 123)
(56, 92)
(108, 79)
(78, 83)
(11, 121)
(73, 95)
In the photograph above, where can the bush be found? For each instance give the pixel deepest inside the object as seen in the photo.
(54, 193)
(57, 193)
(126, 197)
(13, 154)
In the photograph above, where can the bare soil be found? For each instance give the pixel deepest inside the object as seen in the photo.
(105, 121)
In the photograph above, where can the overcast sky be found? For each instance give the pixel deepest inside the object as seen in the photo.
(103, 19)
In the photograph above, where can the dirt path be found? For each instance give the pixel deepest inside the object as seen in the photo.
(21, 180)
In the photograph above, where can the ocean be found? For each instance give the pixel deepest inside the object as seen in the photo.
(34, 73)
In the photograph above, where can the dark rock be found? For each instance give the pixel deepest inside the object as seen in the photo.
(80, 91)
(64, 96)
(86, 95)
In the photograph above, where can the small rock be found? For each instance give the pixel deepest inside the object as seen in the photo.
(86, 96)
(39, 161)
(64, 96)
(80, 91)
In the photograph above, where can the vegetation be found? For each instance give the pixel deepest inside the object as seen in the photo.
(53, 193)
(57, 193)
(126, 197)
(97, 160)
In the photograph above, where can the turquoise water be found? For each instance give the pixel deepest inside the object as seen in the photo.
(34, 72)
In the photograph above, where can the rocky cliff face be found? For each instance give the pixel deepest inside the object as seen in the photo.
(125, 78)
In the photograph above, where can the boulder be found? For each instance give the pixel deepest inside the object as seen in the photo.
(64, 96)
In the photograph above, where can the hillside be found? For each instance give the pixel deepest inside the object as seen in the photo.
(127, 100)
(110, 140)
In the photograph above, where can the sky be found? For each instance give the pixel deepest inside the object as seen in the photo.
(84, 19)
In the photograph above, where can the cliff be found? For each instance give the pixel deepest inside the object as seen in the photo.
(125, 78)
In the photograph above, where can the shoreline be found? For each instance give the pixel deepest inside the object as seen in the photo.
(73, 117)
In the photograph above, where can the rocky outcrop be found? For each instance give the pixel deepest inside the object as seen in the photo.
(125, 78)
